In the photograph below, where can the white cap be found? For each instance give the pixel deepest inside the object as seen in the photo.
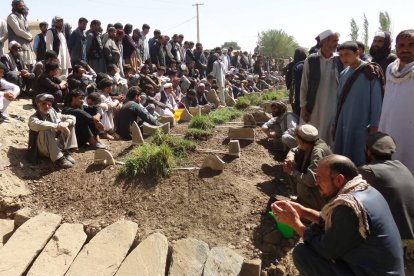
(380, 34)
(249, 78)
(168, 85)
(325, 34)
(12, 43)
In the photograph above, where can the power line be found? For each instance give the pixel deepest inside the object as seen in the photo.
(198, 20)
(188, 20)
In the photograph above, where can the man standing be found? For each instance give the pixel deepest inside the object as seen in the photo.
(354, 234)
(359, 103)
(301, 162)
(3, 35)
(144, 55)
(77, 42)
(219, 72)
(380, 50)
(94, 48)
(397, 105)
(111, 50)
(18, 30)
(39, 43)
(394, 181)
(56, 41)
(319, 85)
(52, 134)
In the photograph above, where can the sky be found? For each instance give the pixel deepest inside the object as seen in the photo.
(228, 20)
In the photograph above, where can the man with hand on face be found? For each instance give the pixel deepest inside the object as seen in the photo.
(354, 234)
(51, 134)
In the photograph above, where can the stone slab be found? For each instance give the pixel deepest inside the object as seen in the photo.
(26, 243)
(6, 230)
(60, 251)
(188, 257)
(136, 134)
(244, 133)
(150, 130)
(234, 148)
(261, 117)
(105, 252)
(167, 119)
(103, 157)
(251, 268)
(195, 111)
(148, 259)
(248, 120)
(185, 116)
(23, 215)
(223, 261)
(213, 162)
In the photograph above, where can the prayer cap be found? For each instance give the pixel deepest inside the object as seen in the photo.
(168, 85)
(325, 34)
(44, 97)
(308, 133)
(381, 144)
(201, 85)
(380, 34)
(249, 78)
(12, 43)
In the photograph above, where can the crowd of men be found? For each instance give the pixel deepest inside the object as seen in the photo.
(350, 160)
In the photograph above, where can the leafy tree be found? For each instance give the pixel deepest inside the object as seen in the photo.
(365, 35)
(385, 22)
(232, 44)
(354, 30)
(277, 44)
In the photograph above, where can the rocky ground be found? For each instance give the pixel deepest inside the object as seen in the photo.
(227, 209)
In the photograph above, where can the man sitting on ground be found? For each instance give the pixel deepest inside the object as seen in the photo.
(109, 108)
(8, 93)
(132, 111)
(167, 98)
(87, 126)
(301, 162)
(354, 234)
(394, 181)
(51, 134)
(282, 125)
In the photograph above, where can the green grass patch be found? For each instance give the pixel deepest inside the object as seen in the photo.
(243, 102)
(202, 122)
(257, 99)
(198, 134)
(223, 115)
(181, 147)
(149, 160)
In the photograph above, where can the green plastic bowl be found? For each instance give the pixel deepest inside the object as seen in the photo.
(286, 231)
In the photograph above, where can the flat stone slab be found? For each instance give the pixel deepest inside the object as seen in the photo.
(23, 215)
(148, 259)
(103, 157)
(213, 162)
(150, 130)
(248, 120)
(167, 119)
(60, 251)
(188, 257)
(26, 243)
(136, 134)
(185, 116)
(195, 111)
(6, 230)
(244, 133)
(234, 148)
(223, 261)
(105, 252)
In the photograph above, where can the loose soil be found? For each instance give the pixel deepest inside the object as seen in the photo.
(227, 209)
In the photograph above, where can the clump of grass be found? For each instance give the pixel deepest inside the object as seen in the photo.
(198, 134)
(149, 160)
(274, 96)
(202, 122)
(224, 115)
(243, 102)
(255, 99)
(181, 147)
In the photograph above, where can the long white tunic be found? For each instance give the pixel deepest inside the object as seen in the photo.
(397, 108)
(324, 110)
(63, 56)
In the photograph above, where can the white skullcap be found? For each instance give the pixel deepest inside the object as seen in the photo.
(380, 34)
(12, 43)
(168, 85)
(325, 34)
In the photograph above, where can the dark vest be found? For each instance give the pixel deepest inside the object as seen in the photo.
(396, 183)
(173, 49)
(13, 36)
(315, 77)
(56, 40)
(41, 48)
(381, 250)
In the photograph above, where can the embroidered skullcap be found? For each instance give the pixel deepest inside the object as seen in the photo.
(308, 133)
(44, 97)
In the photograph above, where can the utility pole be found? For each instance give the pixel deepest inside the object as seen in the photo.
(198, 21)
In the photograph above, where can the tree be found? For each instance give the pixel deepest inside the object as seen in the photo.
(385, 22)
(354, 30)
(232, 44)
(365, 35)
(277, 44)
